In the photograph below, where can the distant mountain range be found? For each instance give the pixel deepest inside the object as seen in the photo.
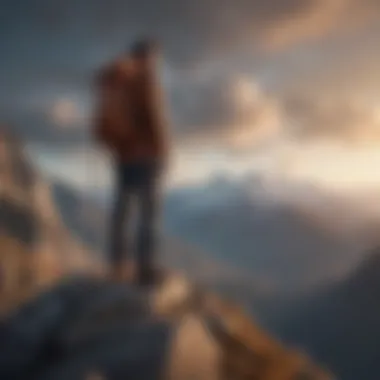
(316, 250)
(292, 244)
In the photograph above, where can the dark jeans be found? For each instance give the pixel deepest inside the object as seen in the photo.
(139, 181)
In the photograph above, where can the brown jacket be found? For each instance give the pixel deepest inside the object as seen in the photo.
(132, 122)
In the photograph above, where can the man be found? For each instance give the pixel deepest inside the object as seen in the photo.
(132, 126)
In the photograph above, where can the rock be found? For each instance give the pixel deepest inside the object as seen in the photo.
(64, 317)
(132, 352)
(109, 305)
(175, 297)
(24, 336)
(194, 353)
(86, 327)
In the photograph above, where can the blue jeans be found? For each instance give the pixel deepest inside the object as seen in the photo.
(141, 181)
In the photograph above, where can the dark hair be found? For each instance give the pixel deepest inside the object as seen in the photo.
(143, 47)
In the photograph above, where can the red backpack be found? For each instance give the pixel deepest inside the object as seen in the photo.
(111, 124)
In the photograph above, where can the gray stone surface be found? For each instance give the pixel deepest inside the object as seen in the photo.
(80, 313)
(86, 329)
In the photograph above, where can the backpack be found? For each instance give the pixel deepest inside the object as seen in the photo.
(111, 126)
(129, 113)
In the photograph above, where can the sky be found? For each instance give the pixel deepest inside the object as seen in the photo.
(285, 88)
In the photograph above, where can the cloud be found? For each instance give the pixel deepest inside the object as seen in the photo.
(231, 110)
(60, 43)
(346, 120)
(236, 113)
(60, 32)
(319, 19)
(36, 126)
(210, 26)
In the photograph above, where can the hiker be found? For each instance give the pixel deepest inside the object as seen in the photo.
(131, 125)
